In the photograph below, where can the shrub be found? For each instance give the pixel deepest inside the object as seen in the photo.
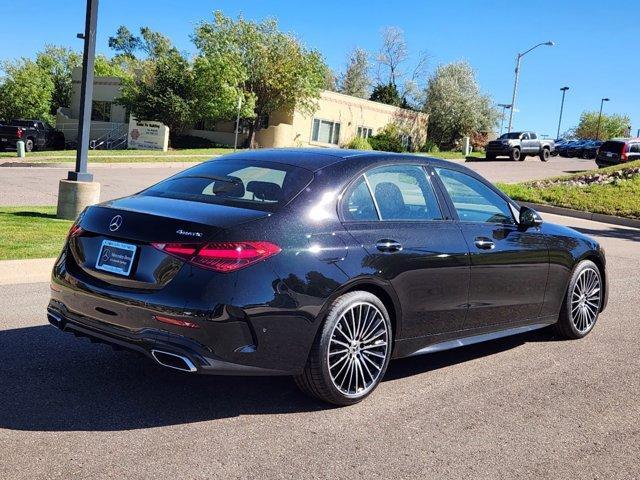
(430, 147)
(190, 141)
(387, 140)
(359, 143)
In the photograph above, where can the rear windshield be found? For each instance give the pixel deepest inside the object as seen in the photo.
(613, 147)
(242, 183)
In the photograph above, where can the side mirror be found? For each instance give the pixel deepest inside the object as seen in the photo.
(529, 218)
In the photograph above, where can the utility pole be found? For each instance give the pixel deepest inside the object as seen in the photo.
(564, 90)
(515, 83)
(79, 190)
(600, 117)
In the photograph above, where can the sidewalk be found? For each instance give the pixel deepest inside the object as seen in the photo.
(14, 272)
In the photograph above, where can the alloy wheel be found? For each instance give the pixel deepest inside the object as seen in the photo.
(585, 300)
(358, 349)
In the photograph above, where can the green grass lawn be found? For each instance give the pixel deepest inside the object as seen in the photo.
(185, 155)
(621, 199)
(31, 232)
(126, 156)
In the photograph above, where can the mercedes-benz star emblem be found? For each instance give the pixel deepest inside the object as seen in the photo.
(116, 223)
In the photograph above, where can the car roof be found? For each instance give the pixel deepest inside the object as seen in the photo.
(318, 158)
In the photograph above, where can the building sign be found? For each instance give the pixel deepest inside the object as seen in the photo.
(147, 135)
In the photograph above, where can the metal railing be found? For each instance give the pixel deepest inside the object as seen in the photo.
(114, 139)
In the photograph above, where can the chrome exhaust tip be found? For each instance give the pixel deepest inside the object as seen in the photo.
(173, 360)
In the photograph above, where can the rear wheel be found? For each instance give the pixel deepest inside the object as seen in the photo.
(28, 145)
(582, 302)
(545, 154)
(516, 155)
(490, 157)
(351, 352)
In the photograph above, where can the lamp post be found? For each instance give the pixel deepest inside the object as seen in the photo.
(504, 107)
(564, 90)
(79, 190)
(602, 100)
(515, 83)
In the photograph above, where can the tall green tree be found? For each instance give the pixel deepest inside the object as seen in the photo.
(124, 42)
(278, 72)
(611, 125)
(26, 91)
(58, 63)
(455, 105)
(355, 80)
(387, 93)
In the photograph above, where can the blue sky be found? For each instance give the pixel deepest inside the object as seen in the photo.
(596, 52)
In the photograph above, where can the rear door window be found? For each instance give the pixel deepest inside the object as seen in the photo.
(393, 193)
(242, 183)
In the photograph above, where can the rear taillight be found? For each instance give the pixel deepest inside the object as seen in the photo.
(222, 257)
(624, 153)
(19, 133)
(75, 231)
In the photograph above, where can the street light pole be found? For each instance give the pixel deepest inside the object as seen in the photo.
(515, 83)
(564, 90)
(80, 173)
(600, 117)
(78, 190)
(504, 106)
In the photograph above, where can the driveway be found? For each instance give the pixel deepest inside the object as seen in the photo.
(39, 185)
(529, 406)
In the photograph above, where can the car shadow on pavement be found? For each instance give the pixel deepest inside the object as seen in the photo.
(51, 381)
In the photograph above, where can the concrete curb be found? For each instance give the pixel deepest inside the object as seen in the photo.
(596, 217)
(14, 272)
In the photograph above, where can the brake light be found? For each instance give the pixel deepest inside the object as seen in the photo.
(19, 132)
(624, 153)
(75, 231)
(222, 257)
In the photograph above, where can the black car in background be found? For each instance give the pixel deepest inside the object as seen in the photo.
(36, 135)
(613, 152)
(320, 264)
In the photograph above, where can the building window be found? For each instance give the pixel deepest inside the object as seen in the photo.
(101, 111)
(365, 132)
(325, 131)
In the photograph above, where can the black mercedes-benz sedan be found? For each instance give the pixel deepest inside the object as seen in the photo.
(320, 264)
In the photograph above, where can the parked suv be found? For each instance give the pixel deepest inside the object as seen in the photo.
(618, 150)
(517, 145)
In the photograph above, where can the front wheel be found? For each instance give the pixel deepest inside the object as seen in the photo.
(351, 352)
(582, 302)
(516, 155)
(545, 154)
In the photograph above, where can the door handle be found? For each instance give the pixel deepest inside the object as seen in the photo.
(390, 246)
(484, 243)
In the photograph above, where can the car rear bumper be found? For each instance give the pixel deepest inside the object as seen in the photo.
(196, 358)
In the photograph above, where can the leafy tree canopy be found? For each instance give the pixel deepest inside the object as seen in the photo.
(611, 125)
(276, 72)
(455, 105)
(355, 81)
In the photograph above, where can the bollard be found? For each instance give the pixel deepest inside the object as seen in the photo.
(20, 148)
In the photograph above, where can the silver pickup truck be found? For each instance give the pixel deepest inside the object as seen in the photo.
(518, 145)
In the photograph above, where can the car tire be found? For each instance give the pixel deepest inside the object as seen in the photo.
(490, 158)
(516, 155)
(545, 154)
(28, 145)
(349, 356)
(582, 302)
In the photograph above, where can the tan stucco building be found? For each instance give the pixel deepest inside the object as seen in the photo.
(337, 120)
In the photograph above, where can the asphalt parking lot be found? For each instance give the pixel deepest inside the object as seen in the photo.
(39, 185)
(529, 406)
